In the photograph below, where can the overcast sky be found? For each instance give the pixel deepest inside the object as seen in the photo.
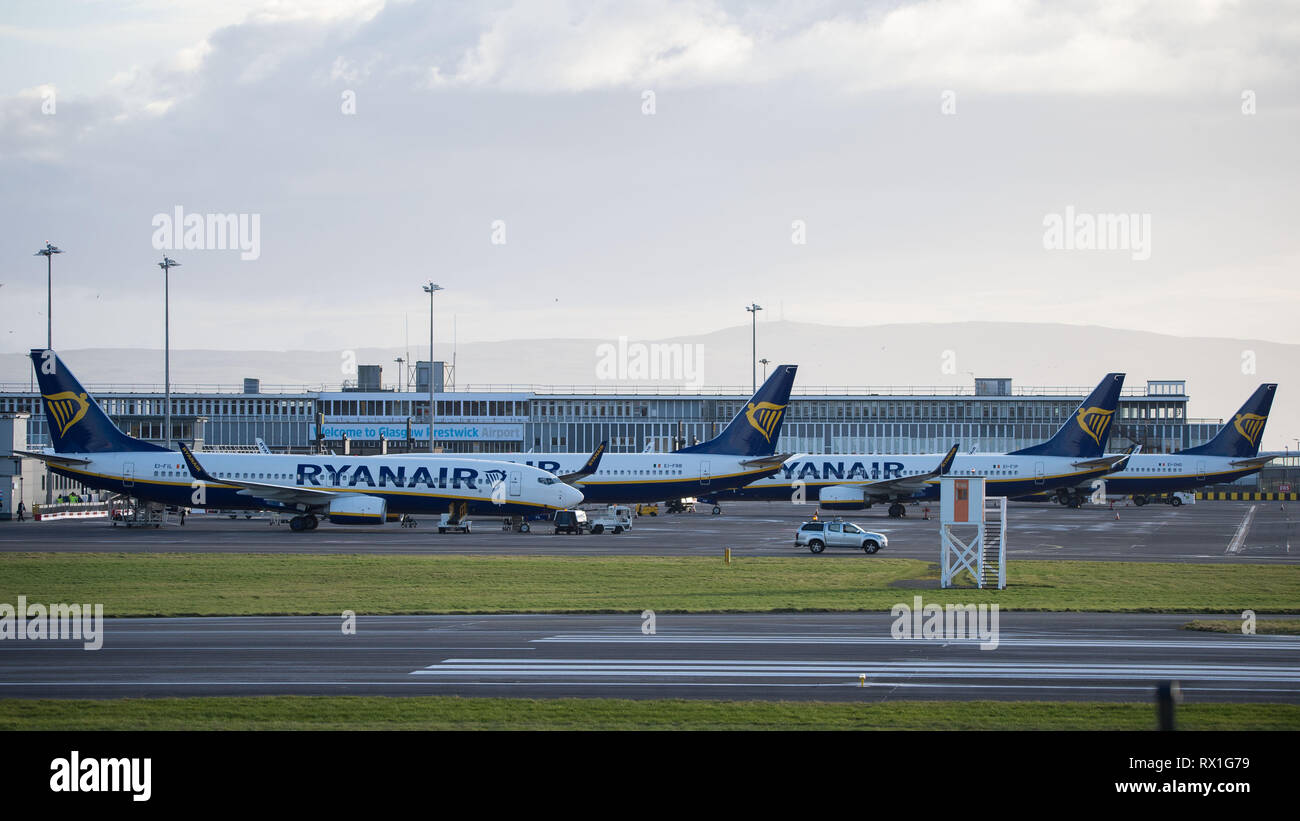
(647, 166)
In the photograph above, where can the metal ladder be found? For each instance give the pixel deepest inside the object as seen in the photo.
(990, 561)
(993, 558)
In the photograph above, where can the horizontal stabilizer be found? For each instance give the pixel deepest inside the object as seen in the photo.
(53, 458)
(775, 460)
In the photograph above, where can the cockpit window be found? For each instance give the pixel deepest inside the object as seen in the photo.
(547, 480)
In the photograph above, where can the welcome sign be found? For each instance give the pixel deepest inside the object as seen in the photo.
(355, 431)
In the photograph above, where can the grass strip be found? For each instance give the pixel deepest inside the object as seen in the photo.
(139, 584)
(454, 713)
(1276, 627)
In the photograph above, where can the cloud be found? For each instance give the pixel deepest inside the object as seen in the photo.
(1012, 46)
(624, 224)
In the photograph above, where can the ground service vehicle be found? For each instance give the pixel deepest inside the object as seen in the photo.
(571, 521)
(615, 519)
(447, 524)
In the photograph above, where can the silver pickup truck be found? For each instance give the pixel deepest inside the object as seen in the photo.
(817, 536)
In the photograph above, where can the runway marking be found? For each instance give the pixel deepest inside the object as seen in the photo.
(1226, 642)
(768, 685)
(876, 671)
(1234, 546)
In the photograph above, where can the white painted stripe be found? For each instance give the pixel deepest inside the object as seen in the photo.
(1226, 642)
(1234, 546)
(683, 668)
(854, 665)
(855, 672)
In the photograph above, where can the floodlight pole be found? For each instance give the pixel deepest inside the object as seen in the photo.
(166, 265)
(431, 289)
(754, 308)
(48, 252)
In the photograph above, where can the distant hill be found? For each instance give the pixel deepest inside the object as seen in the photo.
(946, 354)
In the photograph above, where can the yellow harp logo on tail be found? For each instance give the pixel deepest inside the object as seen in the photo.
(1250, 426)
(66, 409)
(1094, 422)
(764, 417)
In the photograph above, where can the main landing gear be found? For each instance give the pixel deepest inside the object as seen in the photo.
(1070, 500)
(897, 510)
(307, 522)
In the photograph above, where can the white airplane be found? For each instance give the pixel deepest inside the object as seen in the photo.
(857, 481)
(742, 453)
(89, 448)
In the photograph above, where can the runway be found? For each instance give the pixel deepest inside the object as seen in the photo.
(839, 657)
(1204, 532)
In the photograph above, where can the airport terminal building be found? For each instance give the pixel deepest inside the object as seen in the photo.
(991, 416)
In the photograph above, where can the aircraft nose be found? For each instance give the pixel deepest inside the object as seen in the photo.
(570, 497)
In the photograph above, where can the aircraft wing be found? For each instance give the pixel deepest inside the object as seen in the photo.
(53, 458)
(288, 494)
(908, 485)
(591, 466)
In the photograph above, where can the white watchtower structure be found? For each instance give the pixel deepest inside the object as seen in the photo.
(982, 521)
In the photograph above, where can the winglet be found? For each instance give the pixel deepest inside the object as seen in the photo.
(591, 466)
(946, 464)
(196, 470)
(1122, 462)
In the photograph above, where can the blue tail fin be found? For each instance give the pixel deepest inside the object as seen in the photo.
(1240, 437)
(1086, 432)
(77, 424)
(754, 431)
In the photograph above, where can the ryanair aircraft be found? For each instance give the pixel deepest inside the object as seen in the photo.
(1230, 455)
(88, 447)
(1074, 455)
(743, 452)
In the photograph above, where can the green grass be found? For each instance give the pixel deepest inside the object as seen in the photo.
(452, 713)
(1276, 627)
(254, 584)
